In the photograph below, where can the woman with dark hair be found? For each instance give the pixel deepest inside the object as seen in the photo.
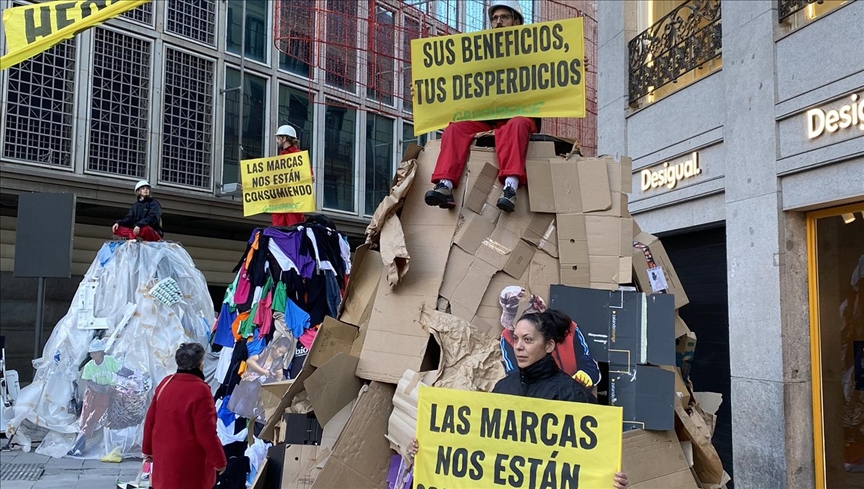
(535, 337)
(180, 430)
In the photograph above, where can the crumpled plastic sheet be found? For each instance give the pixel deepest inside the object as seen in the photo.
(256, 452)
(145, 344)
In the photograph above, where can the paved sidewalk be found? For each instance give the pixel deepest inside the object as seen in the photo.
(68, 473)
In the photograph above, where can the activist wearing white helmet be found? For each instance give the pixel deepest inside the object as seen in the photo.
(141, 183)
(96, 345)
(287, 131)
(514, 7)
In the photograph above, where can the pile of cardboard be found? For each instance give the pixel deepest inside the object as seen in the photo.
(422, 307)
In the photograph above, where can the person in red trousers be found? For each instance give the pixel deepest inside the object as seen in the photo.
(287, 142)
(144, 219)
(511, 138)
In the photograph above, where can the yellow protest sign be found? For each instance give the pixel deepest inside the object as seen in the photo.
(476, 439)
(277, 184)
(31, 29)
(535, 70)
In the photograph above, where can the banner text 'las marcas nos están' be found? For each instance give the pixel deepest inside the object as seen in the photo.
(31, 29)
(277, 184)
(475, 439)
(535, 70)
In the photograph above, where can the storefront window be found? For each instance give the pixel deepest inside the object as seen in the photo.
(837, 312)
(339, 132)
(409, 137)
(256, 28)
(296, 24)
(801, 16)
(295, 108)
(254, 115)
(379, 159)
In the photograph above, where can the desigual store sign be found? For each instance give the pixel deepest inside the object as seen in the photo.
(844, 117)
(669, 174)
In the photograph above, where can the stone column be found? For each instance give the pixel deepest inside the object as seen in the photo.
(616, 25)
(771, 423)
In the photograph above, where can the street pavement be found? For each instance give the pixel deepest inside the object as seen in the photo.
(68, 473)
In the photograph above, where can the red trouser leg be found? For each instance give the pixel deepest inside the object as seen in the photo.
(511, 146)
(148, 234)
(125, 232)
(455, 145)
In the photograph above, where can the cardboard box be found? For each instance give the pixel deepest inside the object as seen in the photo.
(402, 425)
(685, 348)
(609, 250)
(681, 328)
(361, 456)
(302, 429)
(542, 232)
(363, 286)
(622, 328)
(333, 337)
(681, 389)
(654, 459)
(395, 341)
(332, 386)
(301, 466)
(647, 395)
(571, 192)
(657, 276)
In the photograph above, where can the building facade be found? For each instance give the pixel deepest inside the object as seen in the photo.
(162, 93)
(746, 128)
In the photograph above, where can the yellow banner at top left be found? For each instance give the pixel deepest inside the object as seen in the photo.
(31, 29)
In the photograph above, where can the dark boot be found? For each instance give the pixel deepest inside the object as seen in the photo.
(507, 201)
(440, 196)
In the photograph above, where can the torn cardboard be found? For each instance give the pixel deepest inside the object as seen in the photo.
(542, 232)
(335, 426)
(610, 243)
(395, 340)
(360, 293)
(333, 337)
(652, 269)
(399, 188)
(402, 425)
(469, 360)
(300, 468)
(361, 456)
(654, 459)
(332, 386)
(706, 461)
(560, 190)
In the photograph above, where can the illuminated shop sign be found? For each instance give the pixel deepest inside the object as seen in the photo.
(670, 173)
(850, 115)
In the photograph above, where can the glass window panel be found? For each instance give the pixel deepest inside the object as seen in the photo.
(840, 282)
(296, 108)
(254, 114)
(195, 19)
(412, 31)
(381, 59)
(379, 159)
(256, 28)
(295, 36)
(408, 137)
(341, 50)
(446, 11)
(142, 14)
(527, 10)
(339, 133)
(39, 107)
(475, 15)
(120, 104)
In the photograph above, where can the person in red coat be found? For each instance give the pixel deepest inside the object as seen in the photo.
(180, 430)
(287, 143)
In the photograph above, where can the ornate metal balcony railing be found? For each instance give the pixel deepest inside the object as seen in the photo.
(683, 40)
(788, 8)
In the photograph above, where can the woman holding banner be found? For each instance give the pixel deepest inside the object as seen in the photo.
(534, 339)
(287, 143)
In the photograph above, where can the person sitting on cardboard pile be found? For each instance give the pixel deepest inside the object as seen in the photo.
(511, 138)
(144, 219)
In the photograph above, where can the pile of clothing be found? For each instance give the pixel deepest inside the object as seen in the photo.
(288, 280)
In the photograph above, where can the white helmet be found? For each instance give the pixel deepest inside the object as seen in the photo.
(511, 4)
(96, 345)
(286, 130)
(141, 183)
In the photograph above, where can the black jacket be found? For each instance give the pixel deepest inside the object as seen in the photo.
(544, 380)
(145, 212)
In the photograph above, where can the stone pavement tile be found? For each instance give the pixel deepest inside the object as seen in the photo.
(31, 458)
(9, 456)
(105, 472)
(95, 483)
(17, 484)
(64, 464)
(54, 483)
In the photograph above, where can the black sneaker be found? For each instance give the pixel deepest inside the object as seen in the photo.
(440, 196)
(507, 201)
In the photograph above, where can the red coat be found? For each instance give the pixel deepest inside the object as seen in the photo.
(180, 434)
(288, 218)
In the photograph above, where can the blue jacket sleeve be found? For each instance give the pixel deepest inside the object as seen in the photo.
(584, 361)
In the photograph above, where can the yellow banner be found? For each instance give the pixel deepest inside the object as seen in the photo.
(474, 439)
(31, 29)
(535, 70)
(277, 184)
